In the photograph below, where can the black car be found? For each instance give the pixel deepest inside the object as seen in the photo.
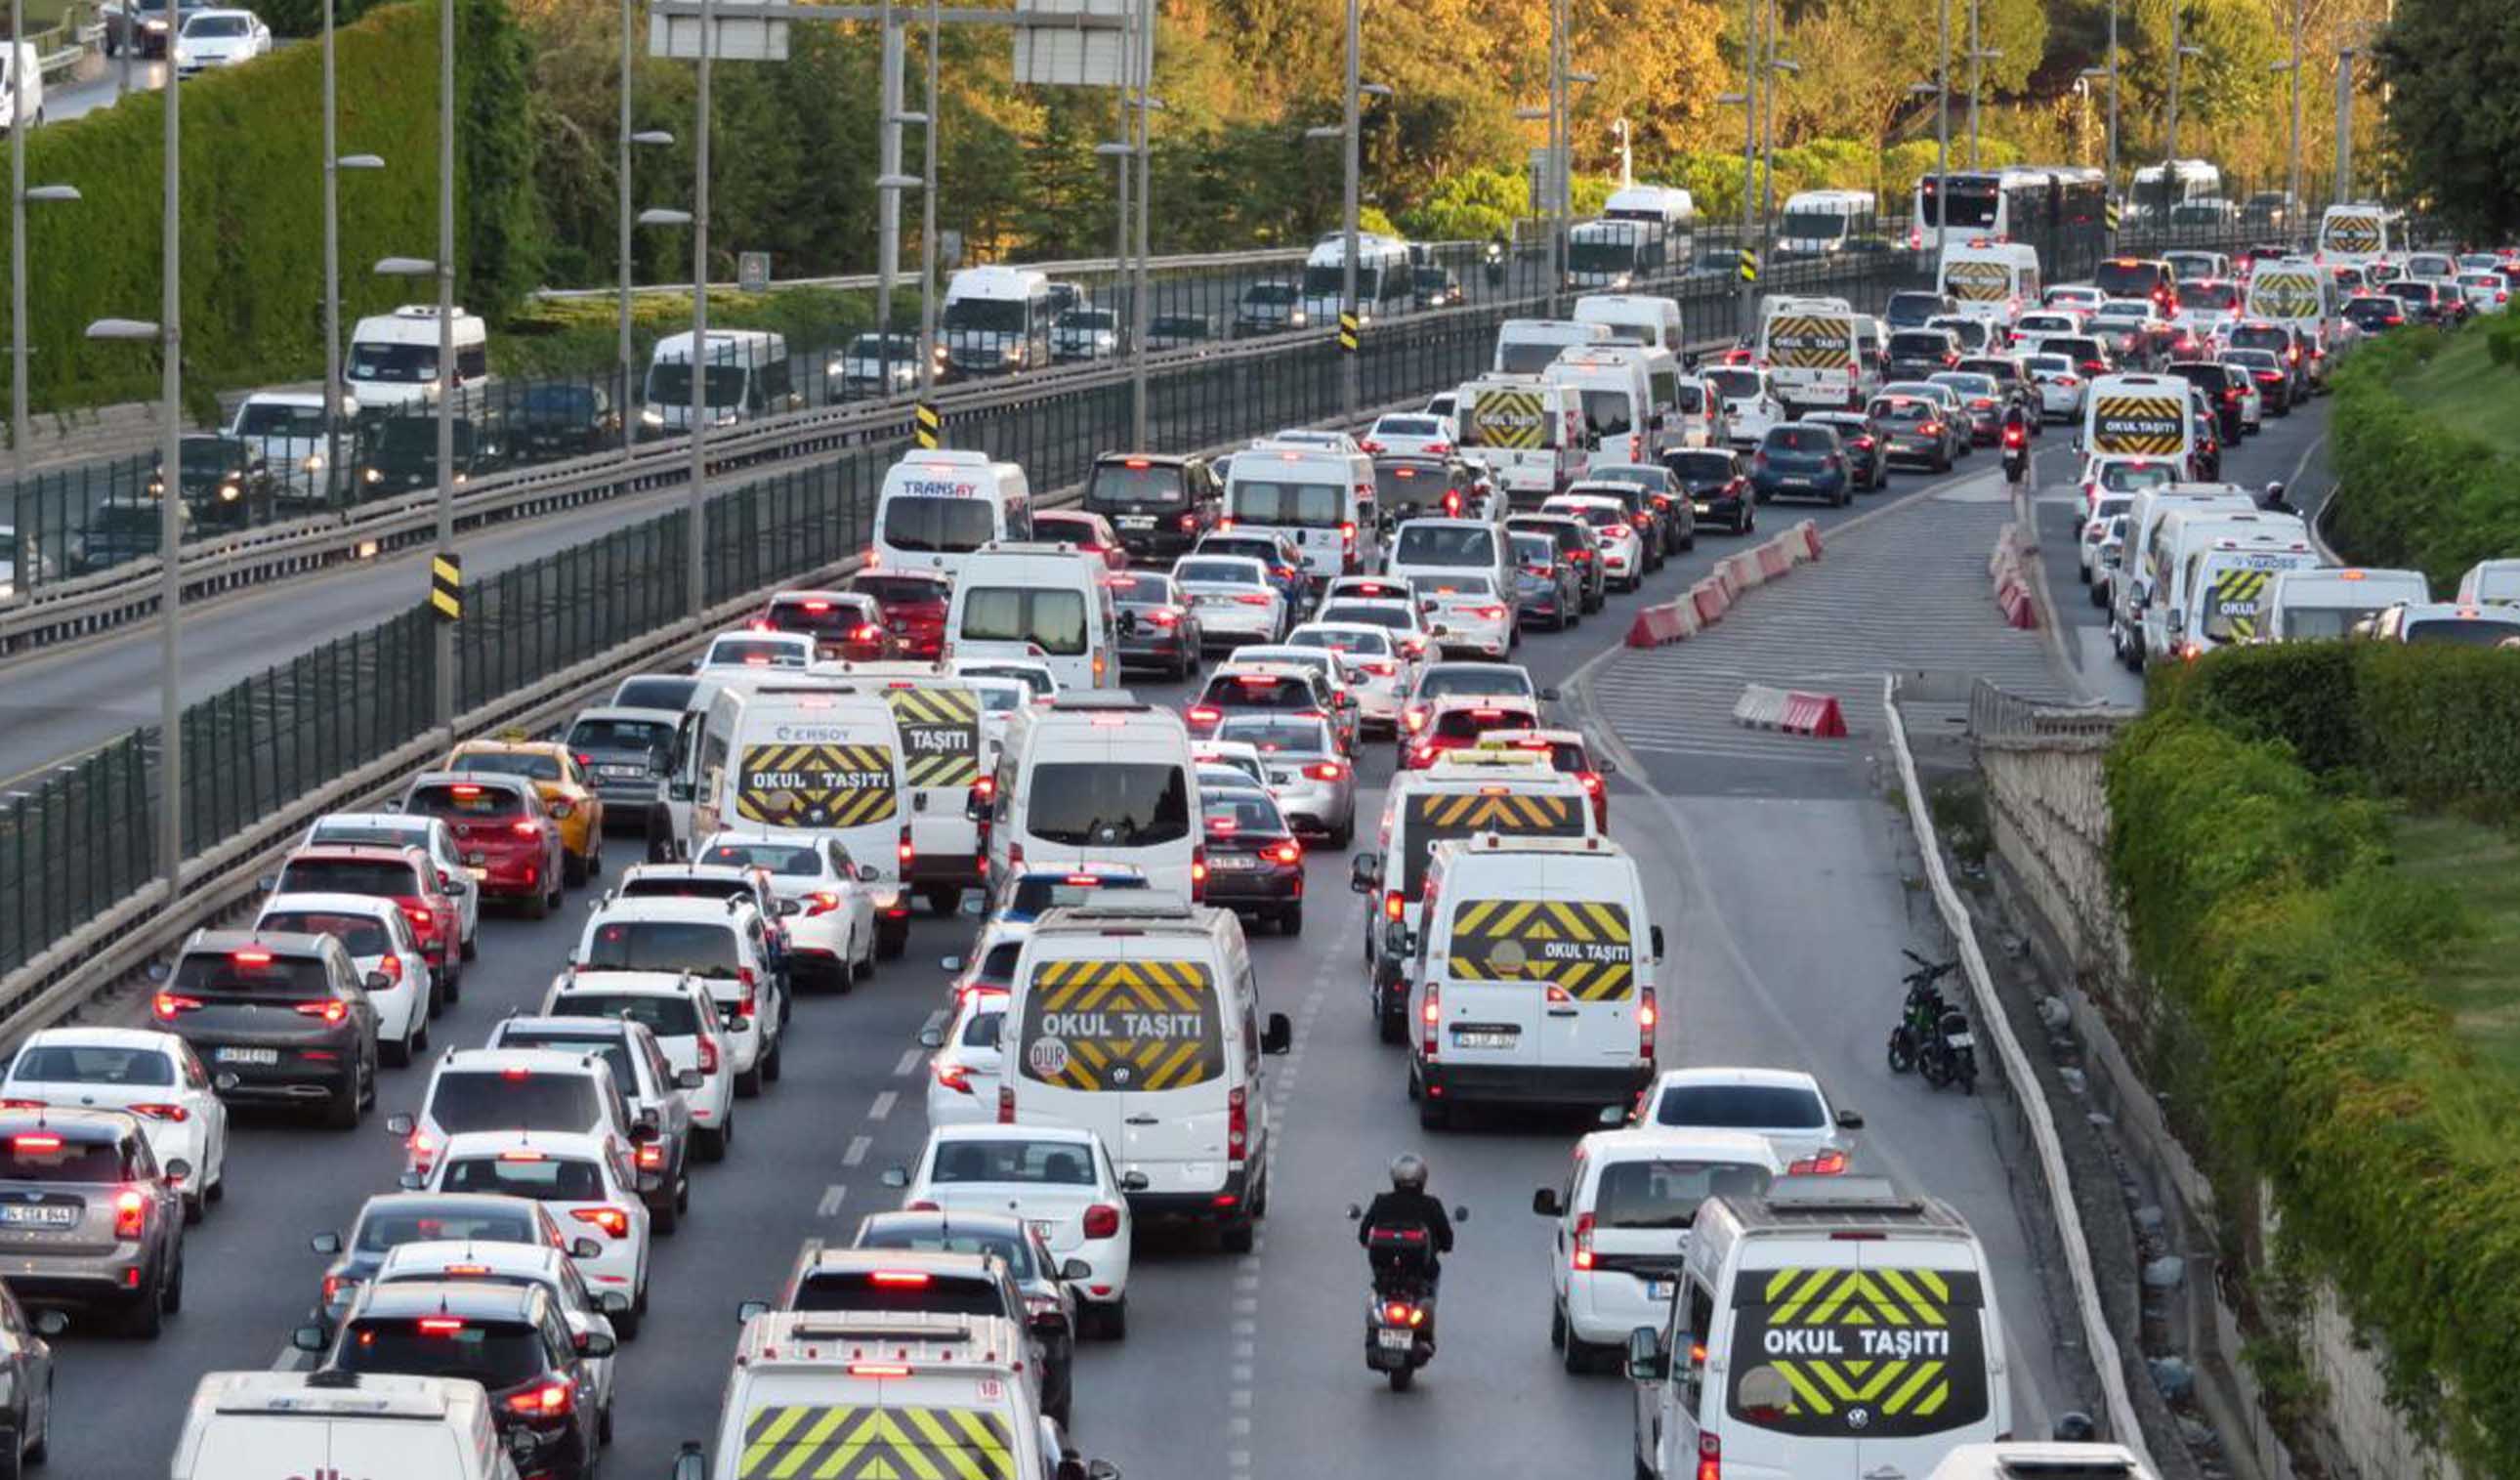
(1255, 867)
(1911, 354)
(119, 530)
(1981, 407)
(1435, 286)
(876, 1281)
(2371, 313)
(513, 1339)
(1546, 587)
(1159, 624)
(390, 1220)
(1049, 1298)
(399, 454)
(2208, 453)
(559, 419)
(141, 28)
(1715, 484)
(1911, 309)
(2222, 392)
(1160, 503)
(1865, 455)
(225, 481)
(2425, 303)
(1577, 544)
(625, 754)
(279, 1019)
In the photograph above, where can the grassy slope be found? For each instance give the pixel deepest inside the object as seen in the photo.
(2479, 981)
(2469, 392)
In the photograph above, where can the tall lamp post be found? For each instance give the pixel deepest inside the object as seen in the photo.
(1977, 54)
(1748, 103)
(23, 195)
(2109, 74)
(334, 165)
(2292, 144)
(2179, 52)
(627, 360)
(1346, 132)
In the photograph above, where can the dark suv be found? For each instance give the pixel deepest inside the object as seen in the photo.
(513, 1339)
(278, 1019)
(88, 1218)
(1160, 503)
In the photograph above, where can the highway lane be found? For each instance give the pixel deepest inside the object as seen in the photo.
(1784, 913)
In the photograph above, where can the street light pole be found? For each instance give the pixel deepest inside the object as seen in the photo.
(448, 374)
(928, 215)
(621, 168)
(1942, 117)
(1349, 390)
(1750, 84)
(2170, 138)
(332, 264)
(2294, 206)
(1974, 54)
(1141, 309)
(170, 499)
(694, 530)
(2344, 188)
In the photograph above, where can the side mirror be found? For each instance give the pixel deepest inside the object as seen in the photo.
(1075, 1270)
(1850, 1120)
(931, 1038)
(411, 1182)
(690, 1465)
(746, 1310)
(1279, 1037)
(1365, 873)
(949, 963)
(896, 1176)
(1460, 1213)
(1397, 941)
(1656, 938)
(613, 1303)
(325, 1243)
(1101, 1470)
(1612, 1116)
(690, 1079)
(50, 1322)
(399, 1124)
(865, 874)
(2176, 621)
(1439, 630)
(307, 1338)
(789, 906)
(1549, 695)
(1134, 1182)
(1645, 1361)
(179, 1171)
(585, 1248)
(1354, 1212)
(594, 1344)
(1605, 765)
(1543, 1202)
(376, 981)
(159, 970)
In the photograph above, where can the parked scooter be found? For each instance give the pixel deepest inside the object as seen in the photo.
(1919, 1015)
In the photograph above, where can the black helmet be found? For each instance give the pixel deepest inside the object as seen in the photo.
(1409, 1173)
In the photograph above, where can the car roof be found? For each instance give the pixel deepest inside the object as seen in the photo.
(531, 1060)
(471, 1299)
(104, 1038)
(1704, 1143)
(639, 906)
(372, 906)
(1795, 1079)
(630, 983)
(560, 1146)
(1000, 1225)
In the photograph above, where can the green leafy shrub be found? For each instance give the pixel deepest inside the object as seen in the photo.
(2413, 490)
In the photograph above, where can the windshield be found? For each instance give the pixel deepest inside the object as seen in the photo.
(534, 765)
(869, 1290)
(1800, 439)
(986, 316)
(1805, 225)
(1741, 1107)
(1109, 805)
(1665, 1192)
(637, 735)
(669, 383)
(1376, 614)
(2129, 280)
(1913, 308)
(1445, 544)
(1241, 811)
(396, 1224)
(2310, 623)
(1305, 505)
(1222, 572)
(703, 948)
(1700, 466)
(494, 1354)
(2219, 295)
(488, 1100)
(1972, 202)
(1035, 893)
(1270, 293)
(959, 525)
(1527, 357)
(2465, 632)
(84, 1063)
(1051, 620)
(1609, 413)
(266, 419)
(733, 651)
(407, 364)
(1585, 256)
(459, 802)
(1137, 484)
(362, 934)
(1372, 644)
(1734, 383)
(792, 860)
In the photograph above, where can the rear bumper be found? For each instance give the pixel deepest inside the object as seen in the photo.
(1223, 1205)
(77, 1279)
(1277, 884)
(1543, 1085)
(963, 869)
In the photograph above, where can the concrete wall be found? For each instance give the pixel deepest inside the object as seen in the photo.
(2048, 809)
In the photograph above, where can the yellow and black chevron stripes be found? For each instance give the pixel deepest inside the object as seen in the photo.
(1857, 1297)
(816, 786)
(1798, 341)
(2152, 426)
(2284, 295)
(848, 1442)
(1453, 815)
(1977, 282)
(1513, 419)
(940, 736)
(446, 586)
(1582, 946)
(1917, 1389)
(2234, 599)
(1121, 1025)
(1862, 1342)
(2352, 234)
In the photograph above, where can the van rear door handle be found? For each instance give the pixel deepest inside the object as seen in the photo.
(1563, 1011)
(1142, 1120)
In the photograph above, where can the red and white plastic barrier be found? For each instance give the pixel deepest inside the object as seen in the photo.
(2011, 574)
(1664, 622)
(1790, 711)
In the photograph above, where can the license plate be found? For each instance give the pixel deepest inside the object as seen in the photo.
(1657, 1289)
(1961, 1041)
(1234, 863)
(477, 873)
(247, 1055)
(40, 1216)
(1795, 481)
(476, 858)
(1394, 1338)
(632, 772)
(1137, 521)
(1703, 508)
(1218, 600)
(1487, 1039)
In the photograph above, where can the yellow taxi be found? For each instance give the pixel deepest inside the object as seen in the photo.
(566, 794)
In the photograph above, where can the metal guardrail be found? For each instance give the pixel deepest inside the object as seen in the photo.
(1079, 267)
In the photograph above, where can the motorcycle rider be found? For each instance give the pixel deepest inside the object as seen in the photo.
(2272, 501)
(1407, 1206)
(2015, 442)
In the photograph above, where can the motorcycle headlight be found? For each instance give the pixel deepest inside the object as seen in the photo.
(375, 475)
(1012, 353)
(1296, 317)
(650, 416)
(228, 493)
(313, 461)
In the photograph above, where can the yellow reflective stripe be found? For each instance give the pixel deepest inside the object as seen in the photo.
(1811, 1288)
(800, 1452)
(768, 1437)
(1907, 1296)
(944, 1442)
(1811, 1397)
(1926, 1371)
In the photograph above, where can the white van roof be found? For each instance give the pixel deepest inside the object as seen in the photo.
(930, 1343)
(997, 283)
(296, 1395)
(415, 324)
(730, 346)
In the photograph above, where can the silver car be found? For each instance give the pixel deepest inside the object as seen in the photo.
(88, 1218)
(1309, 774)
(1236, 600)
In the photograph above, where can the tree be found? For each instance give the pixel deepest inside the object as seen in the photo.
(2453, 117)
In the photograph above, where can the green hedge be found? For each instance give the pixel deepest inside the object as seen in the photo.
(2260, 901)
(2411, 490)
(252, 205)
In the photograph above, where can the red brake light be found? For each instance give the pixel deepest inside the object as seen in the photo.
(253, 958)
(708, 1056)
(1102, 1221)
(1432, 1015)
(1290, 853)
(330, 1011)
(954, 1076)
(879, 1369)
(1582, 1241)
(613, 1221)
(440, 1325)
(547, 1400)
(1828, 1163)
(528, 827)
(1205, 714)
(35, 1142)
(916, 1278)
(168, 1006)
(1710, 1456)
(1325, 771)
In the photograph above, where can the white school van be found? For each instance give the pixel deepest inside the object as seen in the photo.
(1634, 318)
(996, 321)
(1617, 397)
(1098, 779)
(2217, 582)
(936, 507)
(747, 380)
(1821, 222)
(394, 358)
(1534, 962)
(1788, 1301)
(1037, 600)
(1528, 431)
(947, 745)
(1990, 280)
(1528, 347)
(1321, 498)
(2304, 605)
(1814, 351)
(823, 758)
(2359, 235)
(1139, 1021)
(255, 1425)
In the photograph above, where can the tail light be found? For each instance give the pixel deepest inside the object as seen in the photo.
(1165, 616)
(821, 901)
(1198, 873)
(1381, 667)
(651, 1156)
(1102, 1221)
(545, 1400)
(1931, 428)
(1225, 523)
(1190, 524)
(1205, 714)
(1325, 771)
(750, 1002)
(1401, 1313)
(614, 1223)
(391, 966)
(1287, 853)
(1391, 904)
(28, 1105)
(420, 920)
(955, 1077)
(1647, 1016)
(1710, 1456)
(1431, 1017)
(1253, 599)
(908, 853)
(1006, 1105)
(330, 1011)
(169, 1006)
(1582, 1241)
(130, 1213)
(1347, 535)
(528, 829)
(1828, 1163)
(1238, 1127)
(1413, 717)
(336, 1289)
(421, 1149)
(708, 1056)
(172, 1114)
(1591, 779)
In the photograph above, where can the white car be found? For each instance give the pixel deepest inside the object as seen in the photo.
(2485, 292)
(2253, 405)
(382, 948)
(1785, 1105)
(678, 1009)
(1231, 755)
(1308, 772)
(1380, 669)
(1034, 676)
(288, 428)
(1467, 615)
(963, 1072)
(2096, 531)
(1235, 599)
(585, 1182)
(1750, 404)
(991, 966)
(873, 367)
(155, 1076)
(432, 835)
(833, 930)
(757, 649)
(440, 1261)
(1056, 1178)
(2061, 387)
(2074, 295)
(2036, 326)
(728, 950)
(1410, 435)
(219, 38)
(1623, 549)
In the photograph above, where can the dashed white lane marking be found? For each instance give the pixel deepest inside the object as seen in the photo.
(833, 1197)
(858, 1145)
(909, 1063)
(883, 1107)
(935, 1019)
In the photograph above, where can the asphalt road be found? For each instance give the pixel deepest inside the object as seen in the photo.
(1784, 909)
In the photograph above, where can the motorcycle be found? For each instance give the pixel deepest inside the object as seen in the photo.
(1950, 1056)
(1922, 1011)
(2016, 453)
(1399, 1307)
(1493, 260)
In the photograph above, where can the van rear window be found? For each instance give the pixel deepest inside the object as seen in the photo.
(1099, 804)
(1299, 506)
(1122, 1025)
(958, 525)
(1881, 1352)
(1664, 1193)
(869, 1290)
(1137, 486)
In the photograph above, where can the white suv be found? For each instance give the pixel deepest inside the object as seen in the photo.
(724, 942)
(512, 1088)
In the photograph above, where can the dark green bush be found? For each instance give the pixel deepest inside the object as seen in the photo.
(252, 205)
(2411, 490)
(2298, 692)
